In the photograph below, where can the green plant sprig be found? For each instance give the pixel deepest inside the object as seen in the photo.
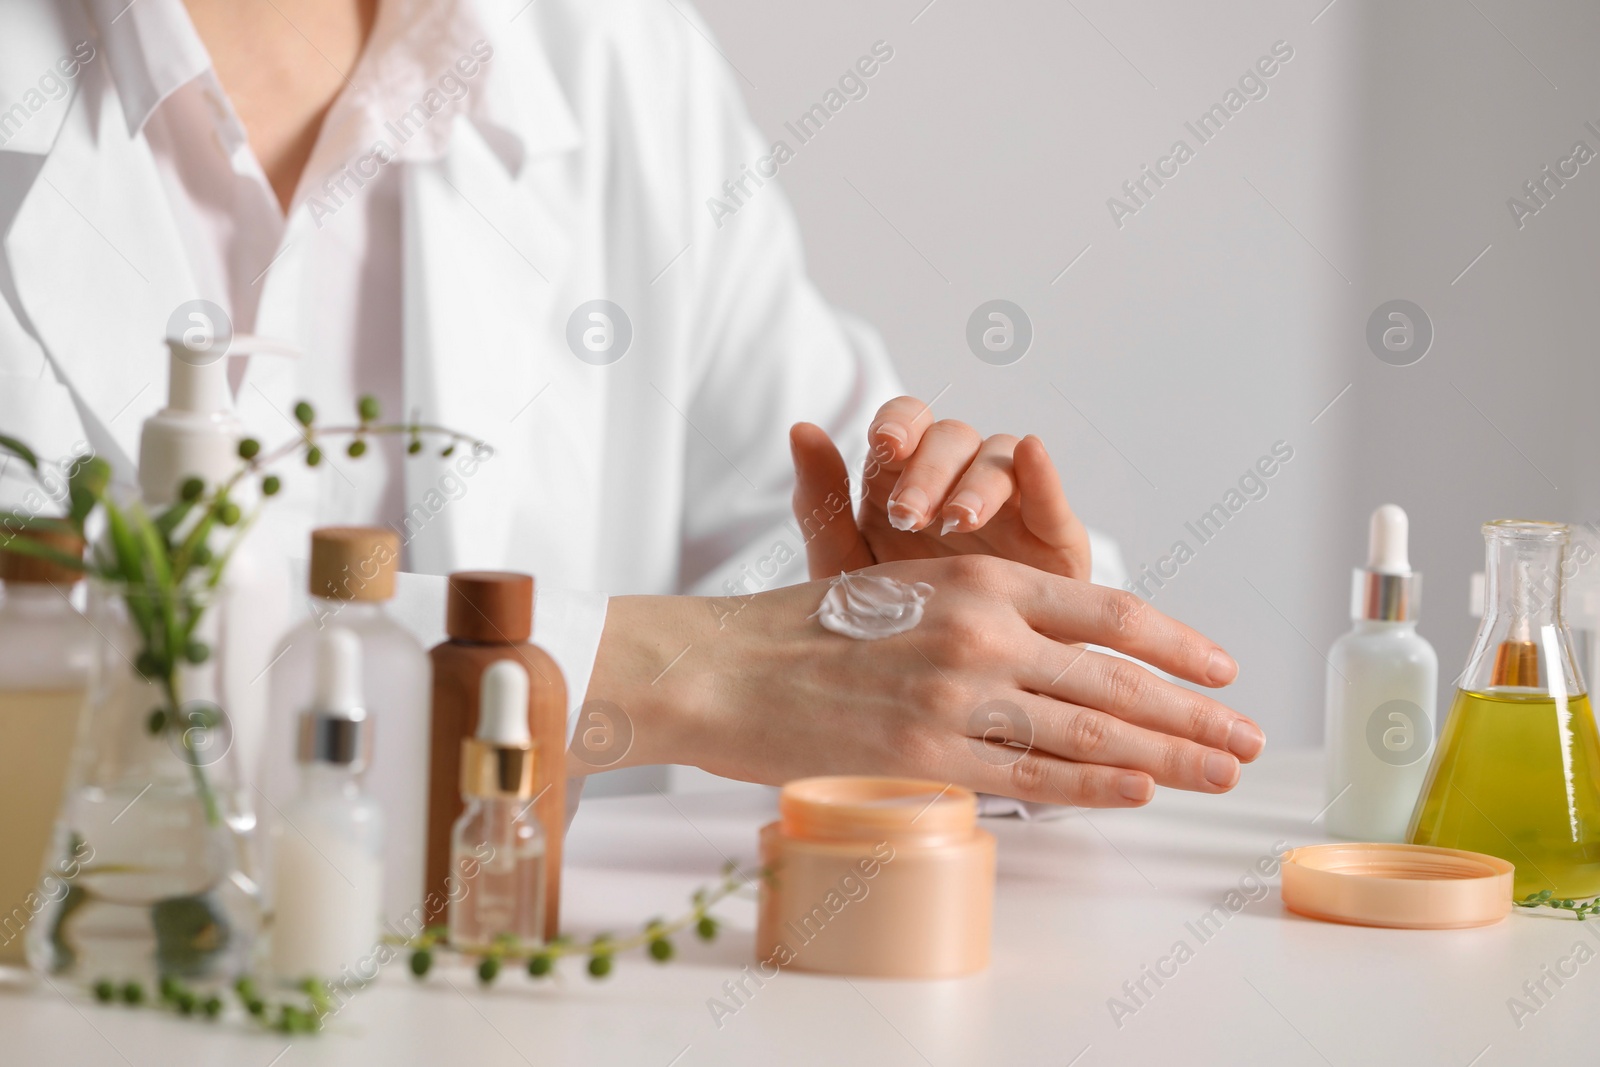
(540, 960)
(288, 1016)
(1546, 898)
(165, 565)
(294, 1016)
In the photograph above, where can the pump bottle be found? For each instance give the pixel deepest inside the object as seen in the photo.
(1381, 694)
(327, 844)
(197, 436)
(497, 847)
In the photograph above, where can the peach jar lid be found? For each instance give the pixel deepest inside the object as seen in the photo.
(851, 808)
(1417, 887)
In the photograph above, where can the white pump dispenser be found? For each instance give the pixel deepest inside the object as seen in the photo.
(1381, 693)
(197, 434)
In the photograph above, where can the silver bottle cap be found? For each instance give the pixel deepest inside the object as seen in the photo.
(334, 729)
(1385, 597)
(339, 737)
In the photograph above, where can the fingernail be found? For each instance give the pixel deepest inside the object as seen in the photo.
(1245, 739)
(963, 508)
(894, 432)
(1136, 787)
(1221, 670)
(1221, 769)
(908, 510)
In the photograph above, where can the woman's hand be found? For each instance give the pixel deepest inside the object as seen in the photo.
(993, 690)
(934, 489)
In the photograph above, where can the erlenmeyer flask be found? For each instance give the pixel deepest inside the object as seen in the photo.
(1514, 774)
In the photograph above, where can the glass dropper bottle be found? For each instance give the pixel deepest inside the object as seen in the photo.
(1515, 772)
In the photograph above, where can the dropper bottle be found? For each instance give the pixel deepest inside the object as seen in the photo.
(1381, 693)
(327, 844)
(497, 847)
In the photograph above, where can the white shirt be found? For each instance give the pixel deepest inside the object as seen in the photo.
(236, 234)
(579, 163)
(575, 164)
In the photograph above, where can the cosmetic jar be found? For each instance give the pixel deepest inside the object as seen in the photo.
(876, 877)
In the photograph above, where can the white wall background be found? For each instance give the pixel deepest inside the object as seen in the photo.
(1231, 310)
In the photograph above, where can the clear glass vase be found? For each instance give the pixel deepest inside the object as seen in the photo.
(155, 828)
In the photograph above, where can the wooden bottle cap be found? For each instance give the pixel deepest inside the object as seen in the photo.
(490, 607)
(32, 570)
(354, 562)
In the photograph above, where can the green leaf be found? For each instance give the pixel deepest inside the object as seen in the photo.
(124, 546)
(159, 577)
(20, 450)
(155, 548)
(86, 486)
(172, 518)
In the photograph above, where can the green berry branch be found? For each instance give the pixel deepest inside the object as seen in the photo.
(291, 1015)
(1546, 898)
(539, 960)
(174, 995)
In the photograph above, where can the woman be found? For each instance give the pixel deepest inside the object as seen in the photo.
(492, 215)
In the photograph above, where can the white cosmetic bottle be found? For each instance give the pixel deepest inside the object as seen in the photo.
(1381, 696)
(197, 436)
(327, 844)
(351, 582)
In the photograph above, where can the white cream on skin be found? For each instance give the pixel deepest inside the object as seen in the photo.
(868, 606)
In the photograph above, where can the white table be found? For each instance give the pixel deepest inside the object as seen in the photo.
(1084, 904)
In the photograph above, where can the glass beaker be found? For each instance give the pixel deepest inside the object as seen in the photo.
(155, 830)
(1514, 774)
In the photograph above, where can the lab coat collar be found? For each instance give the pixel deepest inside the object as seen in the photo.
(96, 267)
(525, 113)
(419, 54)
(40, 35)
(151, 49)
(93, 210)
(423, 48)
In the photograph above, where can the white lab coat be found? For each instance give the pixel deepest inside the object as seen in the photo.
(667, 471)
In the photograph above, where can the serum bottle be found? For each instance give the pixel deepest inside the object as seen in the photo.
(497, 847)
(327, 847)
(1381, 694)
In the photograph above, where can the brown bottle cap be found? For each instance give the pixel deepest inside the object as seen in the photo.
(490, 607)
(354, 562)
(32, 570)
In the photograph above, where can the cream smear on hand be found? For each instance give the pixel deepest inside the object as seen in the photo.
(867, 606)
